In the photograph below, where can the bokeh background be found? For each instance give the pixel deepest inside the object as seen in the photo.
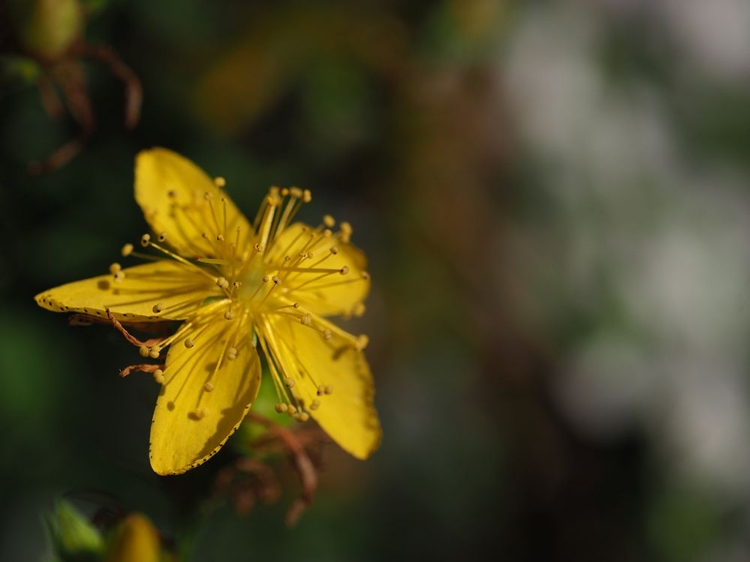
(554, 200)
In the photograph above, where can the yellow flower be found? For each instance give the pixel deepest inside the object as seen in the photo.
(238, 288)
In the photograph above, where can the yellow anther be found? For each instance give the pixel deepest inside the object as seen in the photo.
(346, 231)
(327, 233)
(302, 417)
(328, 389)
(344, 270)
(145, 239)
(172, 194)
(327, 334)
(334, 250)
(162, 236)
(208, 196)
(153, 353)
(189, 343)
(365, 276)
(280, 408)
(119, 276)
(232, 353)
(208, 387)
(143, 351)
(114, 268)
(362, 341)
(157, 308)
(289, 382)
(228, 315)
(295, 192)
(159, 376)
(220, 237)
(222, 283)
(201, 413)
(315, 404)
(219, 181)
(126, 250)
(307, 196)
(237, 284)
(296, 305)
(291, 410)
(265, 279)
(306, 319)
(310, 255)
(359, 309)
(329, 221)
(276, 280)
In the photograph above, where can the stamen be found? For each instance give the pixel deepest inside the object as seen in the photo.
(143, 351)
(114, 268)
(289, 382)
(329, 221)
(189, 343)
(157, 308)
(219, 182)
(145, 239)
(315, 404)
(119, 276)
(281, 407)
(162, 236)
(159, 376)
(231, 354)
(208, 387)
(153, 353)
(127, 249)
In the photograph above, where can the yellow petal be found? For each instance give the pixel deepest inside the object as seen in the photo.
(327, 295)
(190, 422)
(348, 413)
(178, 198)
(178, 288)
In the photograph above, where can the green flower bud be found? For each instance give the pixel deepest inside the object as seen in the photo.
(72, 534)
(46, 28)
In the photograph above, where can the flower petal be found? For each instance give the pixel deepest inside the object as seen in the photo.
(348, 413)
(172, 193)
(179, 288)
(325, 294)
(190, 422)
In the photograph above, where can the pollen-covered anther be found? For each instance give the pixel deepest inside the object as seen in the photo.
(346, 231)
(306, 319)
(219, 181)
(328, 389)
(220, 238)
(365, 276)
(208, 196)
(143, 351)
(280, 408)
(119, 276)
(315, 404)
(359, 309)
(208, 387)
(222, 282)
(295, 305)
(159, 376)
(232, 353)
(307, 196)
(344, 270)
(229, 315)
(326, 333)
(291, 410)
(295, 192)
(114, 268)
(302, 417)
(276, 280)
(126, 250)
(329, 221)
(157, 308)
(145, 240)
(189, 343)
(289, 382)
(362, 341)
(153, 352)
(200, 413)
(334, 250)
